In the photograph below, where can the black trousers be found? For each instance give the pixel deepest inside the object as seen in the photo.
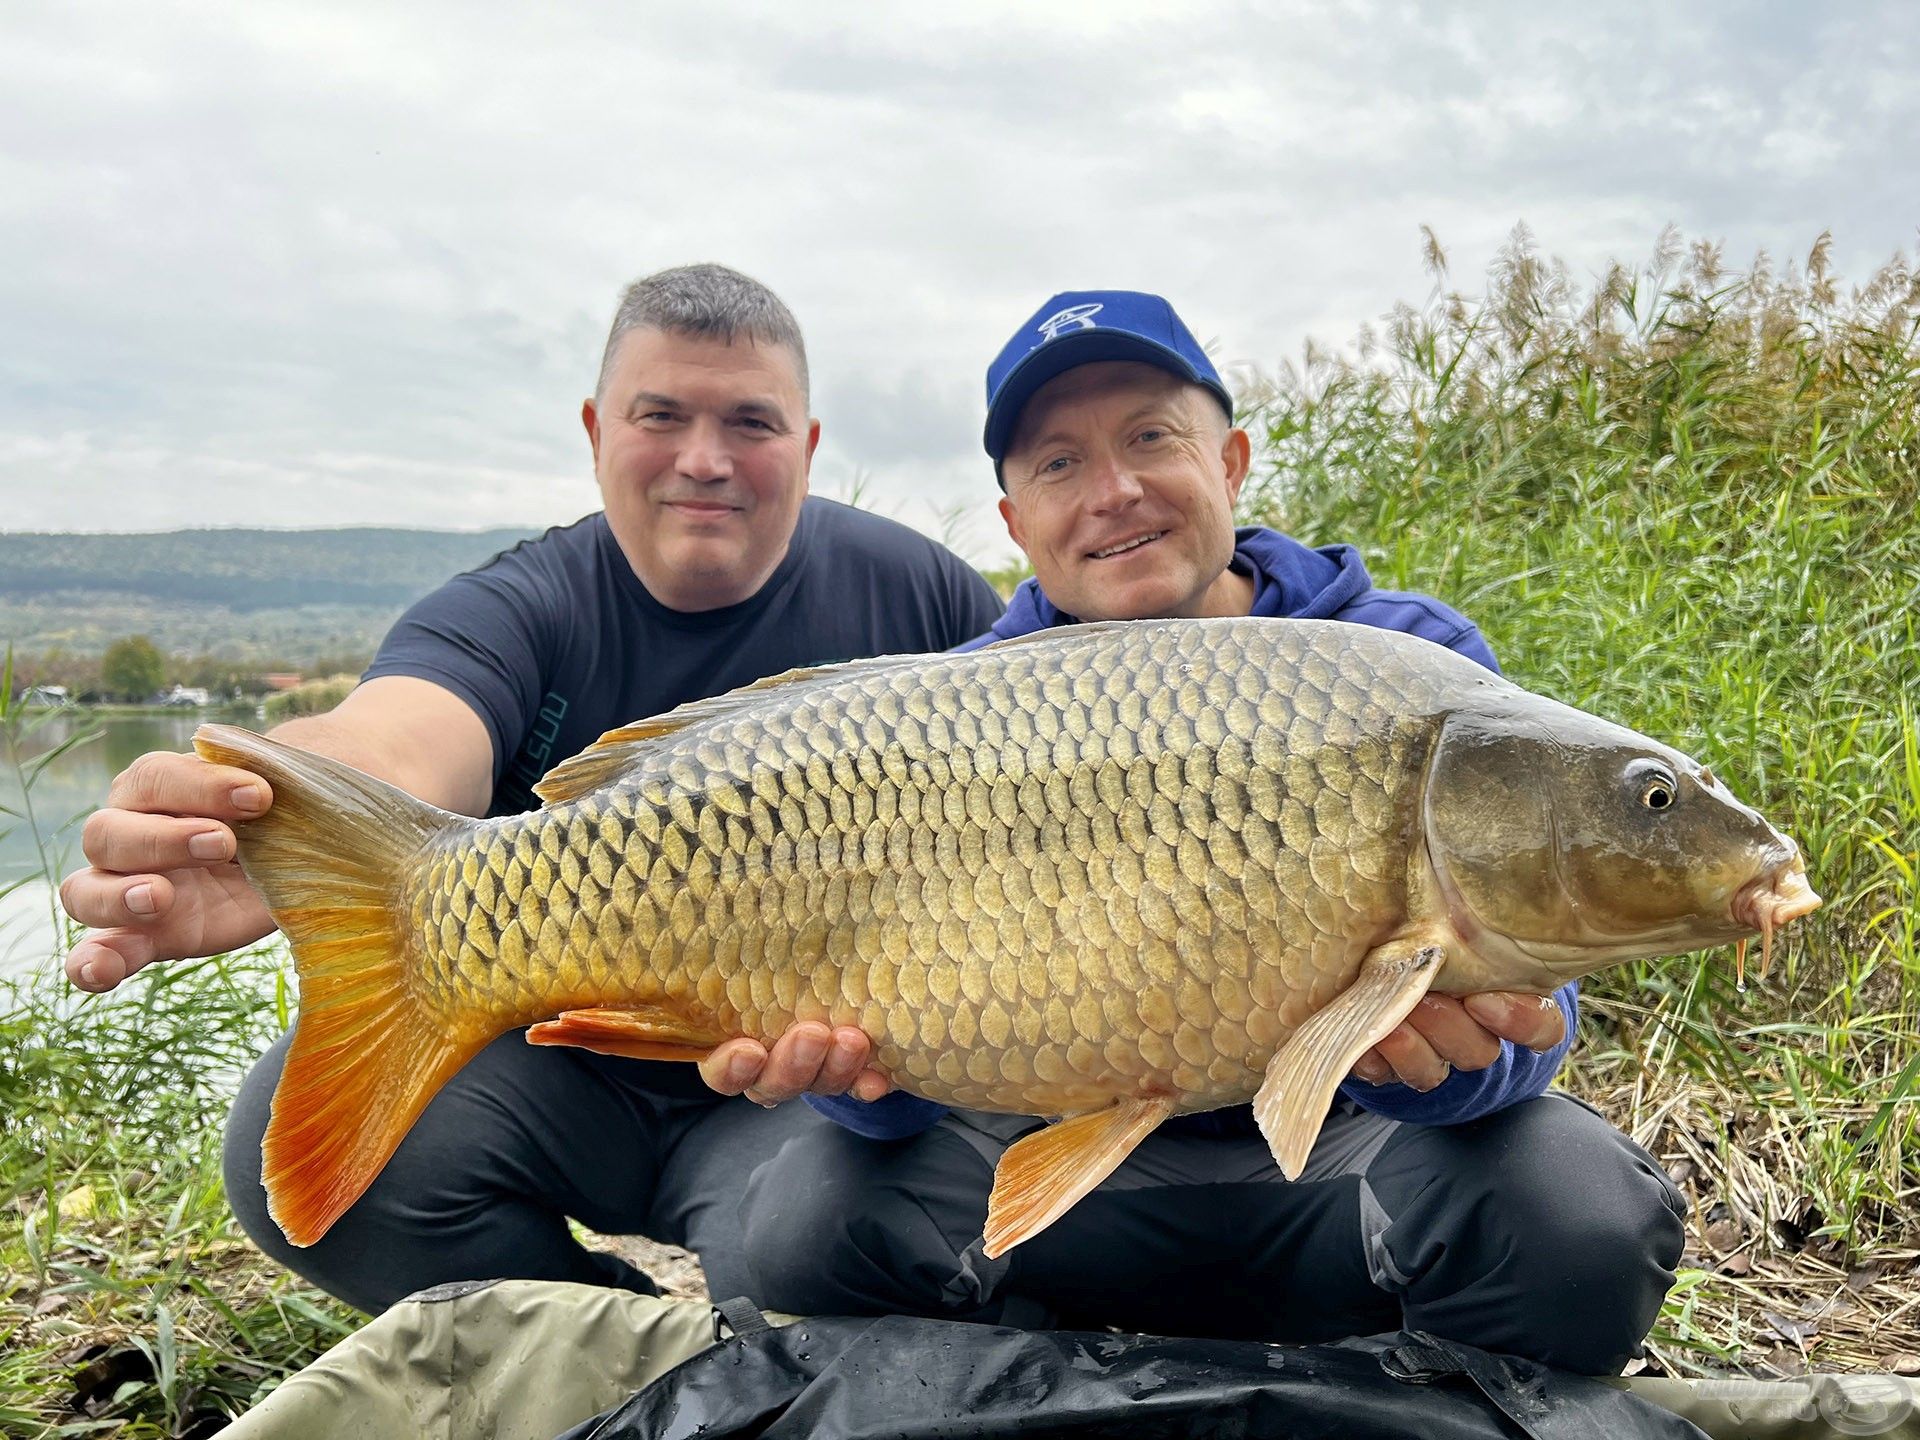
(1540, 1231)
(522, 1139)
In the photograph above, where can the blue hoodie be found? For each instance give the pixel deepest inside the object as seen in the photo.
(1291, 582)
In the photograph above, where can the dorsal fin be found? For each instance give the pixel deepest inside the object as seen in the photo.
(1078, 629)
(615, 752)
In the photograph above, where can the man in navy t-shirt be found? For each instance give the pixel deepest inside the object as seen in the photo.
(1448, 1191)
(709, 568)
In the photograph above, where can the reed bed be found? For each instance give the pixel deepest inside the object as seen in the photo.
(1688, 498)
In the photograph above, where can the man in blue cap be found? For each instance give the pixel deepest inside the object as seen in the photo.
(1448, 1192)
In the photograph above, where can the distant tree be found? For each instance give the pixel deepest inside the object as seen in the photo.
(51, 667)
(221, 677)
(345, 662)
(80, 674)
(209, 672)
(133, 668)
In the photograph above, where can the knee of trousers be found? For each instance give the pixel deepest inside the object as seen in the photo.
(1572, 1224)
(1555, 1171)
(240, 1153)
(328, 1264)
(352, 1261)
(1588, 1286)
(1614, 1245)
(834, 1224)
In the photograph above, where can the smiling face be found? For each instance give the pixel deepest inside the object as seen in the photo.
(702, 449)
(1121, 479)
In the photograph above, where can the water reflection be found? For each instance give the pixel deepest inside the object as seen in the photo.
(29, 934)
(64, 794)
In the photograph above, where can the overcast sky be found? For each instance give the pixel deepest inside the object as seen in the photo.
(291, 265)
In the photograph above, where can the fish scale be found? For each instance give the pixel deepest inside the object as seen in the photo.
(946, 860)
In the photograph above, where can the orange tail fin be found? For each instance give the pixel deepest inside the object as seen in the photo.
(331, 856)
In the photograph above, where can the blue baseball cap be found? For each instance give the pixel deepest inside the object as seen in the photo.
(1077, 327)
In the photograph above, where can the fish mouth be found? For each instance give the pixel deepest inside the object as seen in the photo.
(1123, 547)
(1768, 902)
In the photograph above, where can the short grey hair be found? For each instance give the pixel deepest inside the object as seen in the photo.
(711, 302)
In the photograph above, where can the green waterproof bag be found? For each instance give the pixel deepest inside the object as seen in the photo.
(513, 1359)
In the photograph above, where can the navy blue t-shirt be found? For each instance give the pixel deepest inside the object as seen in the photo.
(556, 641)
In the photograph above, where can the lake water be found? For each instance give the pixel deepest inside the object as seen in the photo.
(63, 795)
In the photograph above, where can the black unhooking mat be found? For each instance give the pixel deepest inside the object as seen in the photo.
(903, 1378)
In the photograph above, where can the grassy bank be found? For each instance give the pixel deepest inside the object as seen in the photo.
(133, 1304)
(129, 1302)
(1686, 499)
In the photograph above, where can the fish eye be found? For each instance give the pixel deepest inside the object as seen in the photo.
(1653, 785)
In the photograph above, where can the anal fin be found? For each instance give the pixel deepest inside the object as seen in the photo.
(639, 1032)
(1041, 1177)
(1292, 1101)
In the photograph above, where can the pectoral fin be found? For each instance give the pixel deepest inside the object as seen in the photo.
(639, 1032)
(1040, 1177)
(1292, 1101)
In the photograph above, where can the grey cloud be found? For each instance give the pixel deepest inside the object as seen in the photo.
(877, 418)
(265, 264)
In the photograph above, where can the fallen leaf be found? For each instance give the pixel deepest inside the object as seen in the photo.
(77, 1203)
(1837, 1306)
(1739, 1264)
(1858, 1280)
(1796, 1331)
(1786, 1362)
(1905, 1363)
(1723, 1236)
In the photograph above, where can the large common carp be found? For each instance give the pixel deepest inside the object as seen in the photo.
(1110, 872)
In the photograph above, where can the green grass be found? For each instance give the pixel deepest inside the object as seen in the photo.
(1686, 500)
(129, 1302)
(116, 1241)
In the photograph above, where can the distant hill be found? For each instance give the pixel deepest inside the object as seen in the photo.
(247, 569)
(242, 594)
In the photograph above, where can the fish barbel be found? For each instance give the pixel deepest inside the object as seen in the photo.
(1111, 872)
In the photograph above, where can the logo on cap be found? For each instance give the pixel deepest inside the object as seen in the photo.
(1074, 317)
